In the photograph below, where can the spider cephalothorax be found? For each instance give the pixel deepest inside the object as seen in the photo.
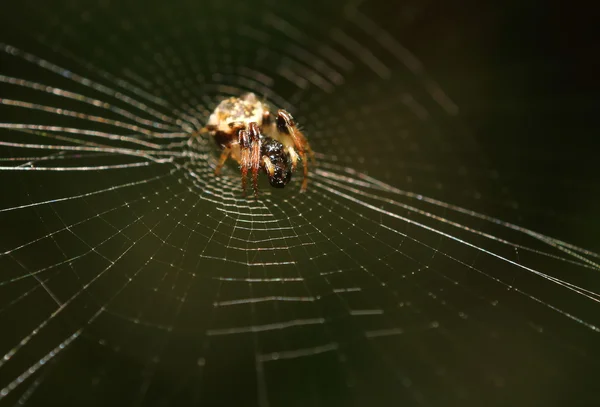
(245, 130)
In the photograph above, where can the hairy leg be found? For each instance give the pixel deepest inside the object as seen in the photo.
(244, 142)
(254, 134)
(196, 134)
(287, 125)
(293, 156)
(222, 159)
(268, 165)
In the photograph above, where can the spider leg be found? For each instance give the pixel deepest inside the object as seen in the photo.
(305, 174)
(268, 165)
(222, 159)
(254, 133)
(294, 156)
(266, 119)
(244, 142)
(286, 125)
(198, 133)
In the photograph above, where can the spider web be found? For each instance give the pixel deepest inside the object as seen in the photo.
(131, 275)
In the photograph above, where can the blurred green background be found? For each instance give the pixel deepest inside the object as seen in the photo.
(484, 105)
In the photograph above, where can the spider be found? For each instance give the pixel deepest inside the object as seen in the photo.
(247, 132)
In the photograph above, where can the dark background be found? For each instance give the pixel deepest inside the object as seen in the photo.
(523, 77)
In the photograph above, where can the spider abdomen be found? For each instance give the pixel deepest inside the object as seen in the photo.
(237, 112)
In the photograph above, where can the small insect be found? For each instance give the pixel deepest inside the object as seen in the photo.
(246, 131)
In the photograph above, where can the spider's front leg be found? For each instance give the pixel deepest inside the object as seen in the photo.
(255, 144)
(287, 125)
(244, 142)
